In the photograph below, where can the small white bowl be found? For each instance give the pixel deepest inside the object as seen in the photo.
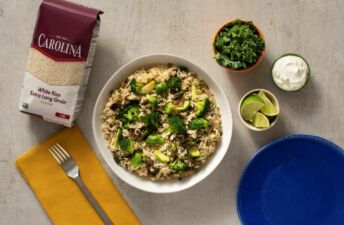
(172, 185)
(272, 98)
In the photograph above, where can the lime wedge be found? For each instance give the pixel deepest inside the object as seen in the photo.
(250, 106)
(261, 121)
(269, 110)
(265, 99)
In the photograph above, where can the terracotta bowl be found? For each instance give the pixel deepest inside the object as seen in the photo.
(260, 58)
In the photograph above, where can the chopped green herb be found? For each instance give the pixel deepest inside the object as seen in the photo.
(238, 45)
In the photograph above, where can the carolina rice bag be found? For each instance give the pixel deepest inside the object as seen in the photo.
(60, 61)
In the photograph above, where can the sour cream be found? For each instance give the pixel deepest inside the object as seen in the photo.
(290, 72)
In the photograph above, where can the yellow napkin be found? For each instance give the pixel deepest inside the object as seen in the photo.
(60, 196)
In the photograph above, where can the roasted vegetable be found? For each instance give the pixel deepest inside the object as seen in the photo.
(198, 123)
(202, 107)
(194, 91)
(130, 112)
(155, 139)
(161, 89)
(176, 125)
(126, 145)
(136, 160)
(186, 106)
(161, 157)
(174, 83)
(193, 152)
(147, 88)
(139, 88)
(118, 137)
(153, 101)
(178, 165)
(135, 86)
(169, 107)
(152, 120)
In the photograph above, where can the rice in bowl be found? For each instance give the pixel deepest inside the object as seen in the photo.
(162, 122)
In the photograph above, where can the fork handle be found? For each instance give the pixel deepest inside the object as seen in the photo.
(92, 201)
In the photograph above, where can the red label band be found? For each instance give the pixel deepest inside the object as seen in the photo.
(64, 30)
(62, 116)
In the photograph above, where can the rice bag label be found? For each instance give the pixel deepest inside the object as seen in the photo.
(59, 62)
(64, 30)
(52, 103)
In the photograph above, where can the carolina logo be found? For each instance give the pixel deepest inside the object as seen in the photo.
(59, 46)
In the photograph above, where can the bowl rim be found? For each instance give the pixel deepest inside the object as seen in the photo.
(260, 33)
(224, 148)
(250, 126)
(291, 54)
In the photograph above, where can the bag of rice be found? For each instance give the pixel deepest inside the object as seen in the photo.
(59, 62)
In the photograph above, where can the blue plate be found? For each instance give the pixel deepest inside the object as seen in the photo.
(296, 180)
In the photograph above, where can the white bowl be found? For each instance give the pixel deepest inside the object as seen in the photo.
(171, 185)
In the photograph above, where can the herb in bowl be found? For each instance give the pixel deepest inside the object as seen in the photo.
(238, 45)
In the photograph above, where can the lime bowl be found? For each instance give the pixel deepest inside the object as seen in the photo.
(273, 100)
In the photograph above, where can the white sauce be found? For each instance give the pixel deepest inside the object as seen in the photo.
(290, 72)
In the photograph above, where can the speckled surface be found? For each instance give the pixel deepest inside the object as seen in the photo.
(134, 28)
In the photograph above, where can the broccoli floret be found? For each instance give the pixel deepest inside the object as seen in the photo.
(178, 165)
(152, 120)
(169, 107)
(153, 101)
(136, 160)
(202, 107)
(176, 125)
(155, 139)
(174, 83)
(198, 123)
(161, 89)
(130, 112)
(126, 145)
(135, 86)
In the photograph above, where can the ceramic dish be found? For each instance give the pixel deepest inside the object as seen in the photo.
(308, 74)
(172, 185)
(295, 180)
(274, 101)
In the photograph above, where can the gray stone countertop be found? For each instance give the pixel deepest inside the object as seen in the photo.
(129, 29)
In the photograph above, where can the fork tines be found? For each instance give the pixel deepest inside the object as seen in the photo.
(59, 153)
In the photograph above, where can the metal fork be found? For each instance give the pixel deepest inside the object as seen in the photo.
(72, 170)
